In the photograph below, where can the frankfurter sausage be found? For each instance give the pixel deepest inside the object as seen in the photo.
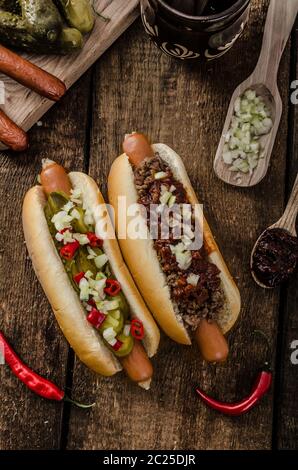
(212, 343)
(174, 300)
(12, 135)
(53, 177)
(30, 75)
(137, 365)
(99, 327)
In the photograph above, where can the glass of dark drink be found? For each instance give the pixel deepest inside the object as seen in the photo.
(194, 29)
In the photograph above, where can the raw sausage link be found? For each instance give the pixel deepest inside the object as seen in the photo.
(30, 75)
(12, 135)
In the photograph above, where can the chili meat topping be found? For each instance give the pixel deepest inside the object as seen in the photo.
(193, 280)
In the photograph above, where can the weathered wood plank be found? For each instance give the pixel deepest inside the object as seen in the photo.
(26, 421)
(287, 400)
(136, 87)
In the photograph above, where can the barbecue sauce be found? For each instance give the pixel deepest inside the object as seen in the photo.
(275, 257)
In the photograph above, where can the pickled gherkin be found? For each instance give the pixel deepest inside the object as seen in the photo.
(85, 264)
(56, 201)
(79, 224)
(78, 14)
(14, 33)
(42, 19)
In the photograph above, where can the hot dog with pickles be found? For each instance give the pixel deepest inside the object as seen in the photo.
(189, 291)
(76, 257)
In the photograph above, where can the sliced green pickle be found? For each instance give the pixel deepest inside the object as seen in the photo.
(112, 322)
(56, 201)
(122, 302)
(79, 224)
(126, 347)
(83, 263)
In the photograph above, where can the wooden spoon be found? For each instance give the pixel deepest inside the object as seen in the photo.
(280, 19)
(287, 222)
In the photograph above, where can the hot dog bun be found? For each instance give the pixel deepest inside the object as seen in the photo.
(142, 260)
(65, 302)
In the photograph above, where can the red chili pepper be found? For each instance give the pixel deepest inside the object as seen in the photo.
(31, 379)
(112, 287)
(137, 329)
(96, 318)
(78, 277)
(261, 386)
(117, 345)
(68, 251)
(94, 241)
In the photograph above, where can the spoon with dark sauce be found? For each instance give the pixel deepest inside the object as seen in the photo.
(274, 257)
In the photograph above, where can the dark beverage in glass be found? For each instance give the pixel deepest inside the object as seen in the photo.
(194, 29)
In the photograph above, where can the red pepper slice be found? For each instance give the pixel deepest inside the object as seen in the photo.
(94, 241)
(78, 277)
(68, 251)
(117, 345)
(112, 287)
(91, 302)
(96, 318)
(137, 329)
(65, 230)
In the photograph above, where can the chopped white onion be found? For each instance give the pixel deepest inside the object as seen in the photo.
(112, 342)
(252, 119)
(100, 261)
(67, 207)
(160, 175)
(76, 196)
(109, 335)
(193, 279)
(84, 289)
(165, 197)
(61, 220)
(126, 330)
(88, 275)
(81, 238)
(182, 255)
(75, 214)
(172, 201)
(91, 252)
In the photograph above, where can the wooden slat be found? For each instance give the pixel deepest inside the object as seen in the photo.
(136, 87)
(27, 421)
(287, 400)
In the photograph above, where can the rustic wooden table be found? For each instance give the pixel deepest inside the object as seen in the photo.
(133, 86)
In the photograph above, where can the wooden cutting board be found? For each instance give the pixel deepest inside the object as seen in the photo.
(26, 107)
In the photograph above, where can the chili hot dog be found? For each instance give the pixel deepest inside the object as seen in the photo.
(80, 267)
(189, 291)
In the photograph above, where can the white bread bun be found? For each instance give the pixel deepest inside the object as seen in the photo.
(69, 312)
(142, 260)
